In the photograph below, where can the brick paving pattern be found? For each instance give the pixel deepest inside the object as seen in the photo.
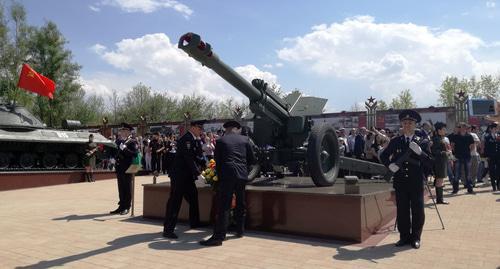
(68, 226)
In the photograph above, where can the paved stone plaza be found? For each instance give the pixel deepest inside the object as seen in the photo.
(68, 226)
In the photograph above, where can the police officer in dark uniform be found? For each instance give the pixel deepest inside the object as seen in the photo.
(492, 152)
(186, 167)
(409, 178)
(127, 151)
(233, 154)
(157, 148)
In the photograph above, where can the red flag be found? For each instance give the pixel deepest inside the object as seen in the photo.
(32, 81)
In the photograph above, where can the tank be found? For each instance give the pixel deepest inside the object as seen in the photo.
(27, 144)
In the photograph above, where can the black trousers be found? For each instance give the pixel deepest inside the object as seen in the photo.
(224, 198)
(124, 189)
(494, 168)
(155, 162)
(410, 212)
(181, 188)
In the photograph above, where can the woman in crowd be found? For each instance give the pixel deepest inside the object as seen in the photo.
(440, 153)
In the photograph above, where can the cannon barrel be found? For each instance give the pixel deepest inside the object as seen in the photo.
(262, 101)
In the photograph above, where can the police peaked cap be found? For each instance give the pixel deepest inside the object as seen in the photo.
(409, 114)
(126, 126)
(198, 122)
(232, 123)
(493, 125)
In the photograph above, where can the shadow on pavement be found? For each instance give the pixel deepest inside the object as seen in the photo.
(83, 217)
(116, 244)
(371, 254)
(187, 241)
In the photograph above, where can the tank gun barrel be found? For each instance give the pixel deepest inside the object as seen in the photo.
(262, 101)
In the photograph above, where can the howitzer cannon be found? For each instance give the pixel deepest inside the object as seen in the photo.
(284, 135)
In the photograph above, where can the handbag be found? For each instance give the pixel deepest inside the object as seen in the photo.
(136, 165)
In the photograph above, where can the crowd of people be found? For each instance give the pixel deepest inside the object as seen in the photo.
(469, 150)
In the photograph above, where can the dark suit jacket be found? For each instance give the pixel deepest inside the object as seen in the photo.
(359, 145)
(411, 174)
(125, 157)
(233, 154)
(187, 162)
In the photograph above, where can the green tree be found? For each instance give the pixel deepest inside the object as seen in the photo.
(49, 57)
(14, 51)
(382, 105)
(403, 101)
(490, 87)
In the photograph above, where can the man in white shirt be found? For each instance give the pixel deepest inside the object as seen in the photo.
(475, 158)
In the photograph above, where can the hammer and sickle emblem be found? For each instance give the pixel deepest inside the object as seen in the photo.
(31, 74)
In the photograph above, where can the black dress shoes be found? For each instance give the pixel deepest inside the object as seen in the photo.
(116, 211)
(170, 235)
(402, 242)
(211, 242)
(416, 244)
(124, 212)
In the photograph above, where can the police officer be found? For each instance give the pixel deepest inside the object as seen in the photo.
(409, 178)
(492, 152)
(186, 167)
(157, 148)
(233, 154)
(127, 151)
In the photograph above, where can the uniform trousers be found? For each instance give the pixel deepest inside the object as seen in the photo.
(410, 202)
(181, 188)
(124, 189)
(494, 168)
(224, 198)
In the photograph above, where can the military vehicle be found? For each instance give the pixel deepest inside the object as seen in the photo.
(27, 144)
(283, 130)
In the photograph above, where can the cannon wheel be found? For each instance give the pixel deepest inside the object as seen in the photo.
(253, 170)
(323, 155)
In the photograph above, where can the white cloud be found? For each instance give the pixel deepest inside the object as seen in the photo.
(148, 6)
(98, 48)
(94, 8)
(157, 62)
(490, 4)
(389, 56)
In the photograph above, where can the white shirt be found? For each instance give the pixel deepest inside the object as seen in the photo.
(473, 151)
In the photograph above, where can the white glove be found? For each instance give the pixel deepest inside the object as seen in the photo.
(416, 148)
(393, 167)
(201, 177)
(122, 146)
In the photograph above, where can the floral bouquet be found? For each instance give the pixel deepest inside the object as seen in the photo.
(210, 174)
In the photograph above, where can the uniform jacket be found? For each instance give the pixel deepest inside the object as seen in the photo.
(411, 173)
(491, 146)
(233, 155)
(188, 161)
(124, 157)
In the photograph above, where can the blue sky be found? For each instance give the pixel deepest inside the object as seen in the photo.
(341, 50)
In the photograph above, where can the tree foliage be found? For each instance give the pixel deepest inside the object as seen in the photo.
(403, 101)
(487, 86)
